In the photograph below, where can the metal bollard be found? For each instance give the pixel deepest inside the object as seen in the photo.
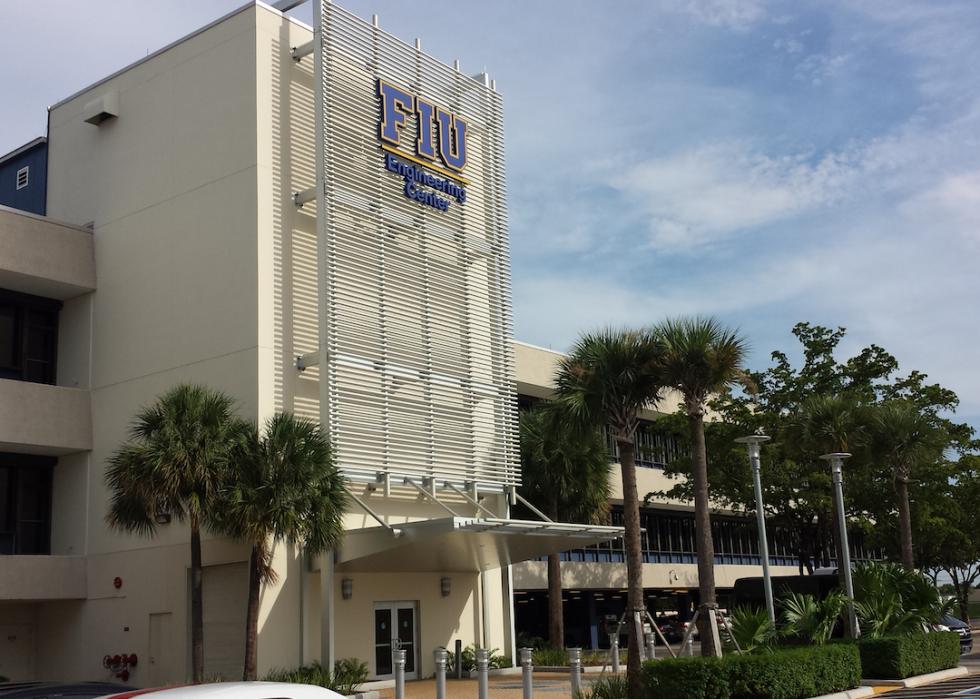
(459, 659)
(527, 670)
(440, 658)
(482, 665)
(651, 646)
(575, 669)
(399, 674)
(614, 650)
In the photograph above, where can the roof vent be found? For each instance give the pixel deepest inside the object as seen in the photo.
(102, 109)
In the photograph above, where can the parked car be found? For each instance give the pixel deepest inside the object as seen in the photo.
(951, 623)
(55, 690)
(233, 690)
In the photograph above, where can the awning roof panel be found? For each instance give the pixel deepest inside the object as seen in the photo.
(462, 544)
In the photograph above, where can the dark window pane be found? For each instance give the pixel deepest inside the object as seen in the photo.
(382, 639)
(8, 337)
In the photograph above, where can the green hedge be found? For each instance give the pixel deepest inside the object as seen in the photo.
(899, 657)
(794, 673)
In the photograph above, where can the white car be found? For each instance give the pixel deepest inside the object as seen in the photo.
(233, 690)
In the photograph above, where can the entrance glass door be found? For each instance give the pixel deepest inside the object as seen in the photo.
(394, 628)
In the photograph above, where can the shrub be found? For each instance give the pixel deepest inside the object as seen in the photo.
(609, 687)
(495, 660)
(691, 678)
(898, 657)
(751, 628)
(348, 675)
(549, 656)
(599, 658)
(892, 601)
(794, 673)
(809, 620)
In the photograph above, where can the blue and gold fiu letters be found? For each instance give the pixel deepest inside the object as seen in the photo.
(441, 134)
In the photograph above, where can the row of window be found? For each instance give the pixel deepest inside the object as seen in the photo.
(669, 537)
(653, 449)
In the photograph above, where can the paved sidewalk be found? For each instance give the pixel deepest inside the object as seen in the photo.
(950, 689)
(551, 685)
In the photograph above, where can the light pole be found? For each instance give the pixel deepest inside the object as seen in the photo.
(836, 463)
(752, 443)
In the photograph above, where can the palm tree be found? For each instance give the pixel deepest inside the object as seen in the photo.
(565, 473)
(824, 424)
(285, 488)
(606, 379)
(173, 462)
(903, 437)
(701, 358)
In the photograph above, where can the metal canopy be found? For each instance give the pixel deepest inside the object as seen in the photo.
(462, 544)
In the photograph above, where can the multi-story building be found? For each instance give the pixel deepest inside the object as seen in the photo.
(23, 173)
(179, 174)
(317, 229)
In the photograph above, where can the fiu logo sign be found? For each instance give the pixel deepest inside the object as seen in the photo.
(439, 148)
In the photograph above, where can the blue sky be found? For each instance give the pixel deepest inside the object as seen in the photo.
(764, 162)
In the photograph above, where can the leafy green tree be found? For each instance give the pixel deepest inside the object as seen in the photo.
(796, 484)
(947, 526)
(285, 488)
(605, 380)
(178, 451)
(903, 437)
(565, 473)
(701, 358)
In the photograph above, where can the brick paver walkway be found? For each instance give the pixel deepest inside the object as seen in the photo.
(550, 685)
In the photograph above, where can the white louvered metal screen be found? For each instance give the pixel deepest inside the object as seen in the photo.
(417, 375)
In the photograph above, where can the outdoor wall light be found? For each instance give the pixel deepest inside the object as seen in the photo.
(347, 588)
(162, 518)
(445, 586)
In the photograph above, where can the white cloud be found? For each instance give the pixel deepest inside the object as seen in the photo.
(734, 14)
(818, 67)
(705, 194)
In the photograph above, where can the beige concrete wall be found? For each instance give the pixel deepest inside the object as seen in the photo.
(533, 575)
(37, 418)
(24, 578)
(18, 641)
(170, 186)
(69, 504)
(72, 636)
(44, 257)
(441, 619)
(536, 368)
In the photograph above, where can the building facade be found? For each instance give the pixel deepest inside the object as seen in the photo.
(314, 224)
(184, 175)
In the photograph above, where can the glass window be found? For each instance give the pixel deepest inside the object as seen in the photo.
(28, 337)
(25, 504)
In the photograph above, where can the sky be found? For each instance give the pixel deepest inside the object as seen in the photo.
(762, 162)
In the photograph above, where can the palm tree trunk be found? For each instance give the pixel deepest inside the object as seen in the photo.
(706, 545)
(556, 624)
(255, 561)
(634, 563)
(197, 603)
(556, 621)
(905, 521)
